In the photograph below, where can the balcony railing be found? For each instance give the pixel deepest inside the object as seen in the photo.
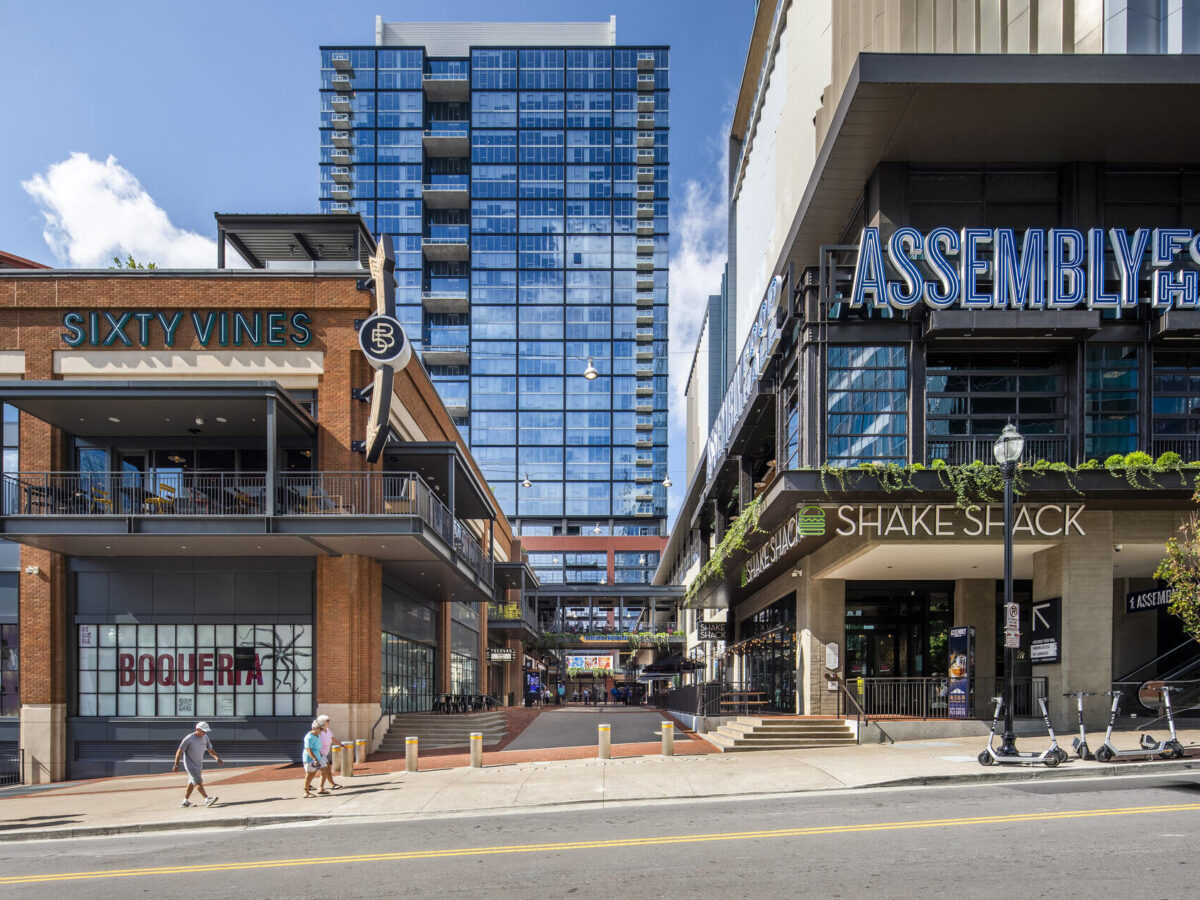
(959, 450)
(1187, 446)
(512, 614)
(190, 494)
(448, 129)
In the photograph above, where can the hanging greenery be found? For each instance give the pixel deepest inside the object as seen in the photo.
(736, 533)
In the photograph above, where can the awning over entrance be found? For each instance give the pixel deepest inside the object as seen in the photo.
(198, 409)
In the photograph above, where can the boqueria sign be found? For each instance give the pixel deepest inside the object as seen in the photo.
(934, 520)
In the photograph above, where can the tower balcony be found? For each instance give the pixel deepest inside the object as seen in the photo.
(447, 87)
(342, 174)
(645, 83)
(448, 192)
(341, 62)
(645, 140)
(645, 104)
(341, 103)
(645, 62)
(447, 139)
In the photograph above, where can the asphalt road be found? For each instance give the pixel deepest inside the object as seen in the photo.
(575, 726)
(1110, 837)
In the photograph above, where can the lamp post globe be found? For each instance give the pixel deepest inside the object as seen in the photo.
(1009, 446)
(591, 372)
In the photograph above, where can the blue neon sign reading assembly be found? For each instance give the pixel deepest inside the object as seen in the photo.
(1055, 268)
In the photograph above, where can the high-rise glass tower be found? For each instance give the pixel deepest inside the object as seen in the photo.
(522, 171)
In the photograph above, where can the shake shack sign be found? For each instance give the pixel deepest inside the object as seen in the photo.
(918, 520)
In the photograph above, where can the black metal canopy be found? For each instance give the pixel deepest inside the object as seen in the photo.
(444, 468)
(260, 239)
(160, 408)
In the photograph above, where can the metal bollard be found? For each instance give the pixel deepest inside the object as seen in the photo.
(335, 759)
(347, 759)
(605, 740)
(410, 754)
(360, 751)
(668, 738)
(476, 749)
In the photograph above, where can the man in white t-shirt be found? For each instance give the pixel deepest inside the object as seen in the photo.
(327, 743)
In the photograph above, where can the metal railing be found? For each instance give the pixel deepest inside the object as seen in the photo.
(959, 450)
(1186, 447)
(12, 766)
(175, 493)
(928, 698)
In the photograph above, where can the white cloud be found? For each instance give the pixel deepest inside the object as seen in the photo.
(96, 210)
(700, 225)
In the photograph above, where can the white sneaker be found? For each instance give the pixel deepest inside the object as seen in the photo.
(186, 803)
(210, 801)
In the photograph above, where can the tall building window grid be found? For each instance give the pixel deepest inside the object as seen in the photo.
(569, 201)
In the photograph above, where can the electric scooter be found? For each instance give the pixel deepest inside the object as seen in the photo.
(1050, 757)
(1149, 746)
(1079, 744)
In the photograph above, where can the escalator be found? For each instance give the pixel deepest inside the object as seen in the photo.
(1178, 667)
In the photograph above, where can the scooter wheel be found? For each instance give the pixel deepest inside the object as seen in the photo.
(1103, 754)
(1051, 760)
(1083, 752)
(1177, 750)
(985, 758)
(1062, 755)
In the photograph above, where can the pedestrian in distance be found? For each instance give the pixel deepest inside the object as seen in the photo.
(587, 697)
(327, 742)
(562, 693)
(311, 757)
(191, 750)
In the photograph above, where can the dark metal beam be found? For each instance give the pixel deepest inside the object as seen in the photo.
(306, 246)
(244, 251)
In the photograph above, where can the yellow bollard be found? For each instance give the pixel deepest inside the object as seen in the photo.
(668, 738)
(347, 759)
(605, 741)
(476, 749)
(360, 751)
(335, 758)
(410, 754)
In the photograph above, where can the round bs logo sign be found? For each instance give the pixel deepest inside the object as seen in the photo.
(384, 343)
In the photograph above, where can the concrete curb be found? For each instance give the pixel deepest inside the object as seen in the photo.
(143, 827)
(1015, 774)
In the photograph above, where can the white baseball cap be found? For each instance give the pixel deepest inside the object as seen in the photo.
(203, 726)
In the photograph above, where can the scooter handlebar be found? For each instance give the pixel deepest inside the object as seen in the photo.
(1113, 693)
(1168, 689)
(1079, 693)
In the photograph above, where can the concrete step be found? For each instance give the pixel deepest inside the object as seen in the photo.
(729, 745)
(799, 731)
(755, 733)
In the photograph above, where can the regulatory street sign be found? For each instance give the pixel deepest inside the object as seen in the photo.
(1012, 639)
(1045, 631)
(1012, 617)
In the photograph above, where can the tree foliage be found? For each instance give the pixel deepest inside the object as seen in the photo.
(130, 263)
(1180, 569)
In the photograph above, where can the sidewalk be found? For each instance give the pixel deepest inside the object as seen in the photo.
(445, 786)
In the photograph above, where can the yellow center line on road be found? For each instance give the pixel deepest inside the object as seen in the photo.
(600, 844)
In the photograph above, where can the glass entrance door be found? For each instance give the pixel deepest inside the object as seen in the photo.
(884, 653)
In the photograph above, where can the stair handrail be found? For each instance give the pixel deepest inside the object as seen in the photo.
(861, 719)
(1131, 675)
(385, 710)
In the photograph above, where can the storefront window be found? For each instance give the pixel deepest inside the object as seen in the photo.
(1176, 412)
(867, 405)
(407, 675)
(1111, 400)
(768, 652)
(195, 670)
(464, 674)
(10, 679)
(970, 396)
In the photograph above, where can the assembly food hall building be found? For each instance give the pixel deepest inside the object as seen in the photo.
(200, 535)
(978, 241)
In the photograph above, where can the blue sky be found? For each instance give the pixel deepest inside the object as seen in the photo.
(213, 106)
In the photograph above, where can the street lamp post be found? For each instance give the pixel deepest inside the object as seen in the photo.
(1007, 450)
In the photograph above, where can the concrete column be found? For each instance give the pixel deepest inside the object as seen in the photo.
(975, 605)
(1080, 571)
(820, 619)
(441, 678)
(46, 640)
(349, 654)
